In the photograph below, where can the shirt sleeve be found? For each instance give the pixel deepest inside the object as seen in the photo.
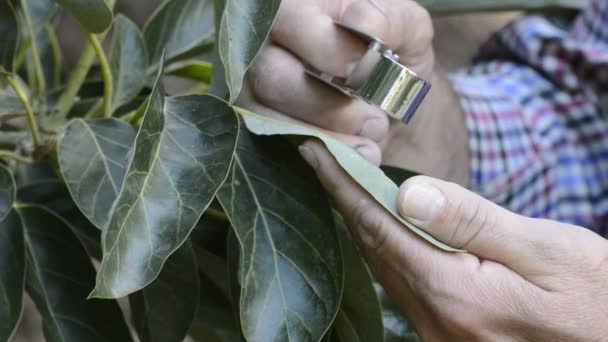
(536, 105)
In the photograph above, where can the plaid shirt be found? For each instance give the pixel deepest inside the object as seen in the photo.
(536, 102)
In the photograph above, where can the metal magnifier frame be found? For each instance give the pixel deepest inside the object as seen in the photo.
(390, 86)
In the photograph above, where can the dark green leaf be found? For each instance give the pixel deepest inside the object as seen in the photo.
(12, 258)
(360, 317)
(370, 177)
(179, 27)
(244, 28)
(397, 175)
(8, 191)
(128, 61)
(93, 157)
(215, 320)
(9, 31)
(94, 15)
(291, 279)
(59, 277)
(199, 71)
(164, 310)
(182, 154)
(396, 327)
(38, 183)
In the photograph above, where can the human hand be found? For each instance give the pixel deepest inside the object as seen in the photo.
(522, 279)
(434, 142)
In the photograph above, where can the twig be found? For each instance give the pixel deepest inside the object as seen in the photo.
(28, 109)
(14, 156)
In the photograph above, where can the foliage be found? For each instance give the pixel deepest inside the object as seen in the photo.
(200, 212)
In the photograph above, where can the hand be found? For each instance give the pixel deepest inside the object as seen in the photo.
(522, 280)
(434, 143)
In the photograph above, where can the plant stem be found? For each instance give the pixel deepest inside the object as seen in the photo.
(50, 31)
(106, 74)
(69, 95)
(39, 74)
(28, 110)
(15, 156)
(216, 214)
(77, 78)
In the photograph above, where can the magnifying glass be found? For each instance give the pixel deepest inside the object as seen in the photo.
(380, 80)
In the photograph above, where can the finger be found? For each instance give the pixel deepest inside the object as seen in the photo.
(308, 31)
(380, 235)
(465, 220)
(278, 81)
(368, 149)
(404, 25)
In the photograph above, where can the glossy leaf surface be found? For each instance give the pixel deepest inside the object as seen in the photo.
(94, 15)
(59, 277)
(244, 28)
(370, 177)
(12, 258)
(179, 27)
(291, 273)
(127, 61)
(93, 157)
(165, 310)
(182, 154)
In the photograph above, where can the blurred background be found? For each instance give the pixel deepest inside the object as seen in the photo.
(457, 39)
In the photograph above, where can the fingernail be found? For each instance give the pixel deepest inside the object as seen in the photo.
(309, 155)
(422, 202)
(374, 128)
(371, 153)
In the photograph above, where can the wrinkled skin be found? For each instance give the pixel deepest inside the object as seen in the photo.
(521, 279)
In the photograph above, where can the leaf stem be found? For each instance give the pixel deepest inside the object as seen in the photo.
(15, 156)
(28, 109)
(70, 94)
(217, 214)
(106, 74)
(55, 47)
(39, 74)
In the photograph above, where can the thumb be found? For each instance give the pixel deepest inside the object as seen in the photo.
(465, 220)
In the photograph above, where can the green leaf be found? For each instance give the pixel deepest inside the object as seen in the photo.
(244, 28)
(370, 177)
(128, 61)
(9, 31)
(453, 6)
(215, 320)
(59, 277)
(291, 280)
(396, 327)
(180, 28)
(8, 192)
(93, 157)
(164, 310)
(183, 151)
(12, 258)
(397, 175)
(360, 317)
(196, 70)
(95, 16)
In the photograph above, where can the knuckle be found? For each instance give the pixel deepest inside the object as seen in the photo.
(268, 72)
(468, 217)
(369, 226)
